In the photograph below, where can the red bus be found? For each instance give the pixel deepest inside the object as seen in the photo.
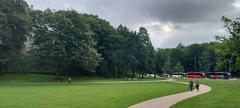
(196, 75)
(218, 75)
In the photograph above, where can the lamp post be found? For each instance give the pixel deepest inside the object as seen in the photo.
(229, 63)
(116, 73)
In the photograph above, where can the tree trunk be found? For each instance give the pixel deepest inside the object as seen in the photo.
(57, 73)
(133, 74)
(116, 72)
(139, 75)
(1, 69)
(155, 74)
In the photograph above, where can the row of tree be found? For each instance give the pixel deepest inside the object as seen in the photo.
(66, 42)
(220, 56)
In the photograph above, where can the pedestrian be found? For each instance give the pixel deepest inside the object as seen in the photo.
(197, 85)
(69, 80)
(191, 85)
(61, 78)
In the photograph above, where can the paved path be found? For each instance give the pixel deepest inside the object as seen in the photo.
(168, 101)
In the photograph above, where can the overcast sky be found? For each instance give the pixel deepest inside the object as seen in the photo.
(168, 21)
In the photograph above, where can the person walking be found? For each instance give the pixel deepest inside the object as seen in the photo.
(61, 78)
(191, 85)
(197, 85)
(69, 80)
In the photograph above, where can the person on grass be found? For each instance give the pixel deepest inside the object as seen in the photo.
(191, 85)
(69, 80)
(197, 85)
(61, 78)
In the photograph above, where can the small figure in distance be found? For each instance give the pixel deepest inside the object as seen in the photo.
(61, 78)
(197, 85)
(69, 80)
(191, 85)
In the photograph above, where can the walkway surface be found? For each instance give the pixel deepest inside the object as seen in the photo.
(168, 101)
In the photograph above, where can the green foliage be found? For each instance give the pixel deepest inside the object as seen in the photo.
(194, 53)
(162, 55)
(147, 54)
(14, 26)
(179, 67)
(70, 41)
(231, 42)
(207, 57)
(109, 45)
(64, 41)
(167, 66)
(139, 54)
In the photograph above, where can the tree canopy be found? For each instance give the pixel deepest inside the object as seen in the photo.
(14, 28)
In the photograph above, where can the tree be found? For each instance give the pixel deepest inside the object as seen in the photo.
(64, 42)
(147, 53)
(176, 56)
(130, 49)
(167, 66)
(232, 41)
(193, 58)
(209, 58)
(109, 45)
(14, 27)
(179, 67)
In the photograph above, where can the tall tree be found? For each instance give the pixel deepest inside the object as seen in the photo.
(193, 57)
(162, 55)
(209, 59)
(148, 53)
(167, 67)
(14, 26)
(64, 41)
(232, 41)
(109, 44)
(129, 49)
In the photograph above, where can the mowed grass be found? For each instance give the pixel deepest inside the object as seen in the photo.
(83, 95)
(45, 78)
(224, 94)
(27, 78)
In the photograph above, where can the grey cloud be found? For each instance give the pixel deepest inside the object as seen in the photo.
(131, 11)
(181, 11)
(189, 11)
(193, 20)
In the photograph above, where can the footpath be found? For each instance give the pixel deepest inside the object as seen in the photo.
(168, 101)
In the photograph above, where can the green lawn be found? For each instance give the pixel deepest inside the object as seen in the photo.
(29, 78)
(80, 95)
(45, 78)
(224, 94)
(42, 91)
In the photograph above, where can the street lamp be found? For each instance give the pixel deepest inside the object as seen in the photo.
(229, 63)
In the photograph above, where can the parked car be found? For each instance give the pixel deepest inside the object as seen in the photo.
(178, 75)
